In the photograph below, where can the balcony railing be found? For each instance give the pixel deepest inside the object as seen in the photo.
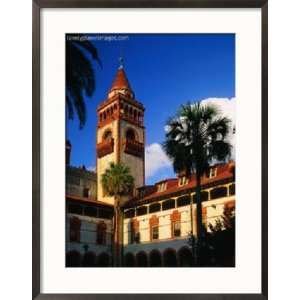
(133, 147)
(105, 148)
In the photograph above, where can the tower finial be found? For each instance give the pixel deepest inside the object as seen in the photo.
(121, 62)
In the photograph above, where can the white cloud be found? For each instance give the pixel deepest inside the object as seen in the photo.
(155, 159)
(227, 107)
(91, 168)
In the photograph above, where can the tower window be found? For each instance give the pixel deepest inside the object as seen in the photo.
(107, 135)
(130, 135)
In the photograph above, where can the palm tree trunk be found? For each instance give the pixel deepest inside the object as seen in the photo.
(199, 217)
(117, 233)
(116, 240)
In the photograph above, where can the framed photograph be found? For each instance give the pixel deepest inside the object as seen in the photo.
(150, 150)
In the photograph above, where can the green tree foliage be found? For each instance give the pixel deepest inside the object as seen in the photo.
(221, 240)
(80, 77)
(195, 138)
(117, 182)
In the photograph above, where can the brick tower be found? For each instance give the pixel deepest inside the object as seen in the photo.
(120, 133)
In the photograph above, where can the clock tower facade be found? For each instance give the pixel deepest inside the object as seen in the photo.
(120, 133)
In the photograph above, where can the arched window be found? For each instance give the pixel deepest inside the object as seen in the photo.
(129, 260)
(107, 136)
(142, 259)
(170, 259)
(134, 114)
(103, 260)
(89, 259)
(130, 135)
(185, 257)
(155, 259)
(130, 111)
(73, 259)
(126, 110)
(75, 225)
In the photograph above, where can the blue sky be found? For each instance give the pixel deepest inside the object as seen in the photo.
(164, 71)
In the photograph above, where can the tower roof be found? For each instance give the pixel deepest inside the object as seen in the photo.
(120, 81)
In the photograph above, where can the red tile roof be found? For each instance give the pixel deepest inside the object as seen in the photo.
(120, 81)
(224, 172)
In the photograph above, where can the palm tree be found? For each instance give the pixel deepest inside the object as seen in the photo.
(195, 138)
(80, 77)
(117, 182)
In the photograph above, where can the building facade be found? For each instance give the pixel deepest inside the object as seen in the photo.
(88, 221)
(158, 220)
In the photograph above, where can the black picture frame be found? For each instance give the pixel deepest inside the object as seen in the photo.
(38, 5)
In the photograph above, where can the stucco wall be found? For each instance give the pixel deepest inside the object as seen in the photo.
(88, 235)
(103, 162)
(136, 164)
(214, 211)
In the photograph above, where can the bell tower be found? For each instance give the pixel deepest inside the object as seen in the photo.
(120, 133)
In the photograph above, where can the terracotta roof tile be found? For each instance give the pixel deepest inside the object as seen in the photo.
(224, 171)
(120, 81)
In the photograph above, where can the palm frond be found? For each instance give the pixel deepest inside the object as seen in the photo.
(80, 77)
